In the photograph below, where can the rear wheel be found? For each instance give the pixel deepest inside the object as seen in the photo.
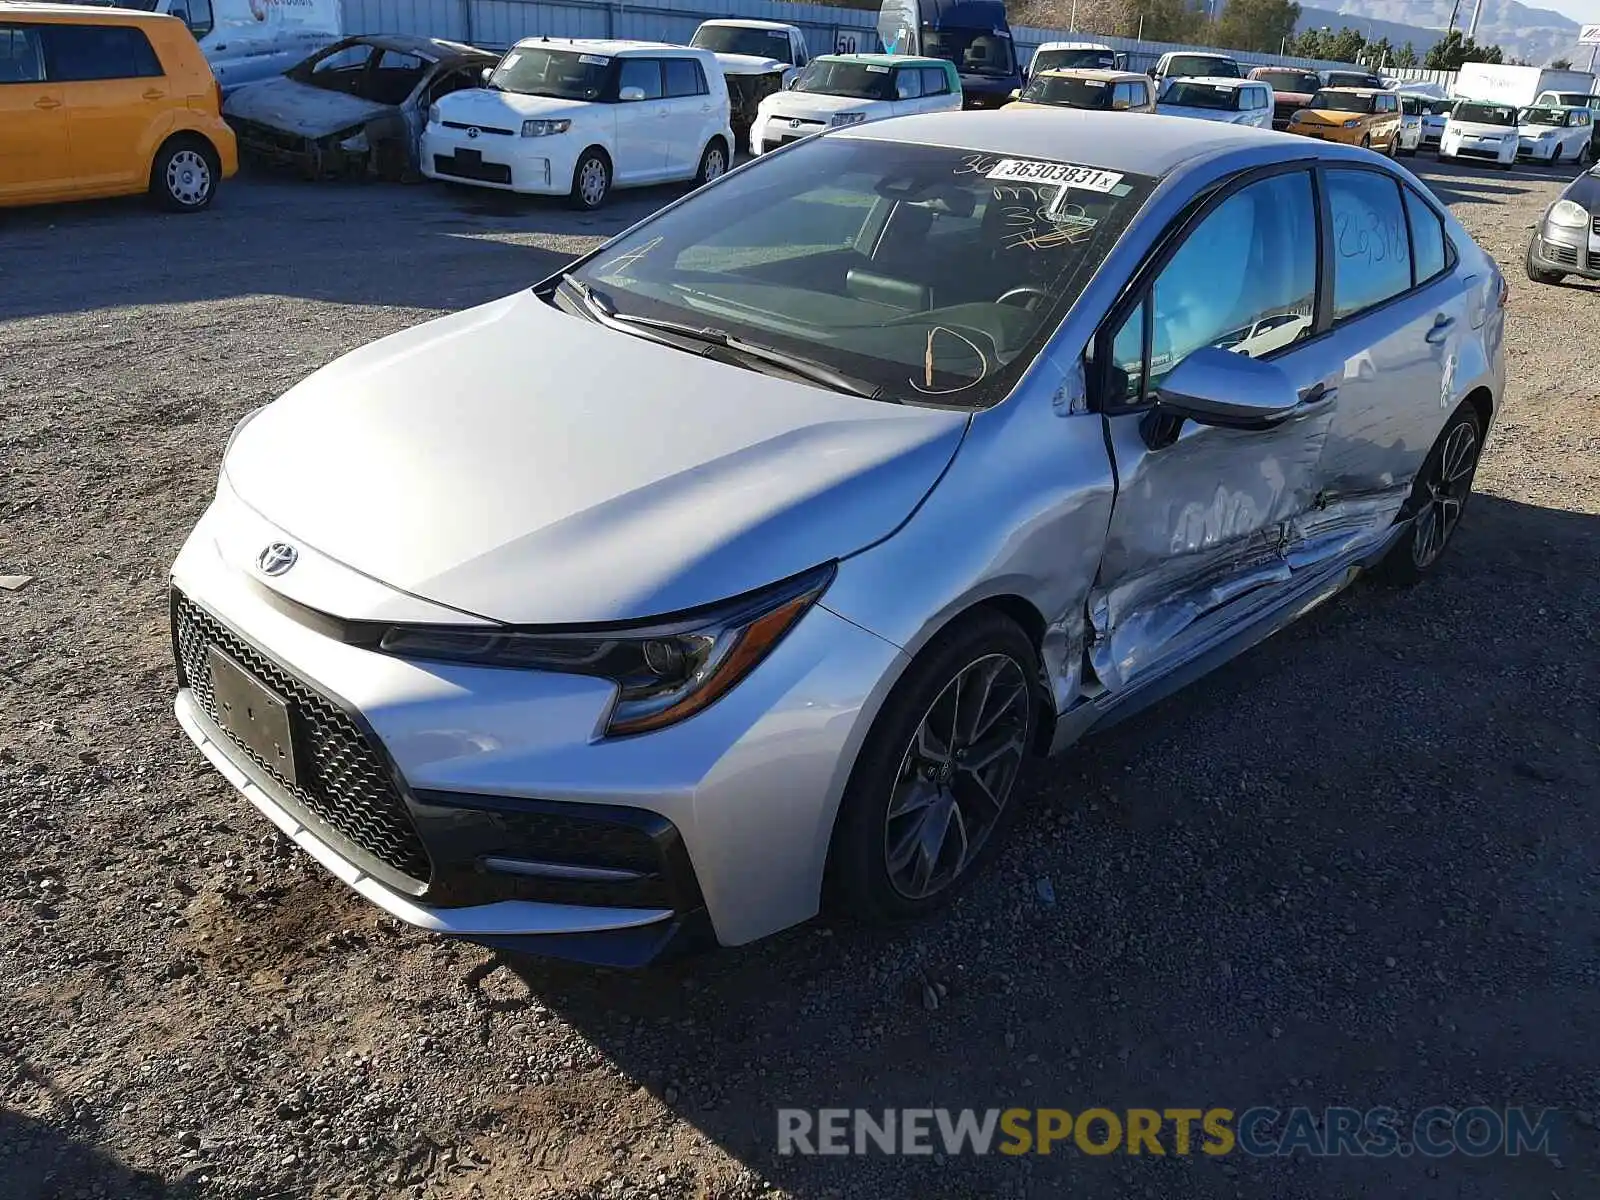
(184, 176)
(1438, 499)
(713, 163)
(929, 798)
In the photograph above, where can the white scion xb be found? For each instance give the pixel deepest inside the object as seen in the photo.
(577, 117)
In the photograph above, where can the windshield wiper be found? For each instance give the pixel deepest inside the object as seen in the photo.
(604, 311)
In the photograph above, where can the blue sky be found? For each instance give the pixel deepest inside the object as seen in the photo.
(1586, 11)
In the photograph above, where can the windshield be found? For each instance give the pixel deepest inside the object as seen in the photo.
(1485, 114)
(1189, 94)
(1438, 108)
(865, 81)
(1410, 105)
(1543, 116)
(735, 39)
(1069, 93)
(1574, 99)
(1202, 64)
(1342, 102)
(974, 51)
(562, 73)
(1057, 60)
(934, 274)
(1289, 81)
(1351, 79)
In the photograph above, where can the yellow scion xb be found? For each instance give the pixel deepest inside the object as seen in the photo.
(107, 102)
(1367, 117)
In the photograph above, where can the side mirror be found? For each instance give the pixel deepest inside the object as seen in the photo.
(485, 73)
(630, 94)
(1016, 94)
(792, 84)
(1232, 391)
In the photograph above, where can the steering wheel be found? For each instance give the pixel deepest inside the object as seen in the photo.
(1034, 294)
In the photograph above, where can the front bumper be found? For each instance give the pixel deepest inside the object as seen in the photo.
(1497, 152)
(508, 162)
(1328, 133)
(715, 829)
(769, 133)
(1567, 251)
(1536, 151)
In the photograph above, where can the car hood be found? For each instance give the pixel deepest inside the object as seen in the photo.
(1474, 129)
(749, 64)
(487, 106)
(1204, 114)
(1328, 116)
(517, 463)
(813, 106)
(299, 108)
(1534, 132)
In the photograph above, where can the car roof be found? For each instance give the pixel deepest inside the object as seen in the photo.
(1106, 74)
(886, 60)
(610, 47)
(1073, 46)
(1197, 54)
(77, 12)
(1224, 81)
(1358, 91)
(1098, 139)
(741, 23)
(436, 49)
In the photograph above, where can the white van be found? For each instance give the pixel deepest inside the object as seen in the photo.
(248, 40)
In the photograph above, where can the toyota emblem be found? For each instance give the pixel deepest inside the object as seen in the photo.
(277, 558)
(473, 132)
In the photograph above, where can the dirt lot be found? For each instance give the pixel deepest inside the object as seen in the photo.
(1359, 866)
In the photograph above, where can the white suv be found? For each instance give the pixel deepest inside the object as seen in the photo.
(575, 117)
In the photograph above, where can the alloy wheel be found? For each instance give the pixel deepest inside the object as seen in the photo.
(188, 178)
(715, 164)
(1446, 495)
(956, 776)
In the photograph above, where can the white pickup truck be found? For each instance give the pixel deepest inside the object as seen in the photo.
(757, 59)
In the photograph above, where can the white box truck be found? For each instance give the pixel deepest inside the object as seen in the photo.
(247, 40)
(1515, 85)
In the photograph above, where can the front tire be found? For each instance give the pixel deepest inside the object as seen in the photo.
(1437, 501)
(591, 180)
(184, 175)
(929, 797)
(713, 163)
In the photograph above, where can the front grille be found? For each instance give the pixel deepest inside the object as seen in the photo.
(1595, 226)
(1567, 256)
(256, 136)
(746, 92)
(449, 164)
(479, 128)
(344, 783)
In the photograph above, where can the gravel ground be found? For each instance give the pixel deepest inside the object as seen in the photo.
(1358, 866)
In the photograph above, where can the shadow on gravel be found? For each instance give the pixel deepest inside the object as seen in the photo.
(40, 1162)
(1320, 877)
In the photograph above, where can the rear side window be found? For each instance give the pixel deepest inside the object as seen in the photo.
(684, 77)
(1371, 256)
(644, 73)
(196, 14)
(935, 82)
(78, 53)
(1427, 237)
(1141, 95)
(21, 55)
(908, 85)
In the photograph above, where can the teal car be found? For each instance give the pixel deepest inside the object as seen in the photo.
(836, 90)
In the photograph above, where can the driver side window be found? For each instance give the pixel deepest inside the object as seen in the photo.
(1244, 279)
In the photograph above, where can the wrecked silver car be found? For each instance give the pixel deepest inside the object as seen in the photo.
(356, 108)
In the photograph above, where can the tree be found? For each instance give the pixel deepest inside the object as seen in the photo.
(1166, 20)
(1453, 49)
(1378, 54)
(1256, 24)
(1346, 46)
(1406, 56)
(1561, 64)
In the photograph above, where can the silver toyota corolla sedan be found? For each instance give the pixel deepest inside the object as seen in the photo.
(735, 571)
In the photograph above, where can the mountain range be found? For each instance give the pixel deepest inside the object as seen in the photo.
(1535, 35)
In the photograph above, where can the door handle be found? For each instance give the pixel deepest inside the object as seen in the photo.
(153, 93)
(1316, 398)
(1440, 330)
(46, 102)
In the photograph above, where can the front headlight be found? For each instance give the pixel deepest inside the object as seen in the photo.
(1351, 124)
(847, 119)
(1296, 117)
(1567, 213)
(544, 128)
(1547, 135)
(433, 114)
(665, 672)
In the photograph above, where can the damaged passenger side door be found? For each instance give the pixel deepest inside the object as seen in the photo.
(1204, 512)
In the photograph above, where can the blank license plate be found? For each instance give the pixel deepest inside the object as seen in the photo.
(469, 158)
(252, 714)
